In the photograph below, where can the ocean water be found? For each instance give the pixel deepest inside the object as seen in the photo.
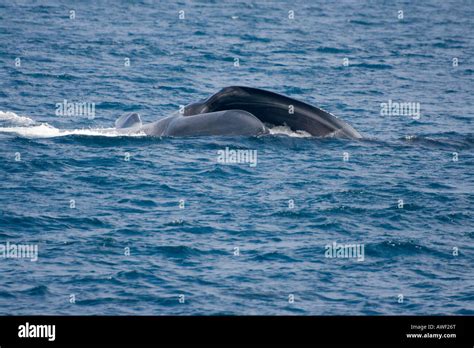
(131, 224)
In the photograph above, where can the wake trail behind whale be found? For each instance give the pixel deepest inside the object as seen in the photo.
(28, 128)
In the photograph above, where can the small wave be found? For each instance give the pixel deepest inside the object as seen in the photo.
(274, 256)
(292, 213)
(177, 251)
(396, 248)
(132, 275)
(13, 118)
(442, 140)
(39, 290)
(6, 294)
(375, 66)
(285, 130)
(325, 49)
(361, 22)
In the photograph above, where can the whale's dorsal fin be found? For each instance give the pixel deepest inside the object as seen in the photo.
(129, 120)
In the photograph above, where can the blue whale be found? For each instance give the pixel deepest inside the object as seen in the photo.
(241, 111)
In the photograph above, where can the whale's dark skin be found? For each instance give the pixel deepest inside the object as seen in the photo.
(226, 122)
(243, 111)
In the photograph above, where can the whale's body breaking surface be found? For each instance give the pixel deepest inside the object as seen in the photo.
(242, 111)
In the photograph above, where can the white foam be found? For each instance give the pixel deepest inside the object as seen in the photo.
(285, 130)
(46, 131)
(11, 117)
(26, 127)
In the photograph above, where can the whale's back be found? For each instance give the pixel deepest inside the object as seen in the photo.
(275, 109)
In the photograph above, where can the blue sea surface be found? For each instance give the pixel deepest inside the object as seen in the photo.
(129, 224)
